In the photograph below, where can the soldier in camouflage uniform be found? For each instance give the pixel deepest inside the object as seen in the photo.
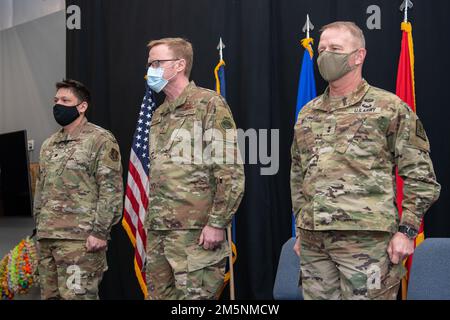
(78, 199)
(346, 147)
(192, 201)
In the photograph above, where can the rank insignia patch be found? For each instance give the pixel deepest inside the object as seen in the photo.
(420, 131)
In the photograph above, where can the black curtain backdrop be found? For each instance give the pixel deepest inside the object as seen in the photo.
(263, 56)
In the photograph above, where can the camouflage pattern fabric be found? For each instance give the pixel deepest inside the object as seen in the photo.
(79, 190)
(344, 156)
(67, 271)
(178, 268)
(189, 193)
(348, 265)
(200, 191)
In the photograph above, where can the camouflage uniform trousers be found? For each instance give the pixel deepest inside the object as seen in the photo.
(179, 269)
(348, 265)
(67, 271)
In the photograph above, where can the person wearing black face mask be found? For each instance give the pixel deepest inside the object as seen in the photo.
(78, 199)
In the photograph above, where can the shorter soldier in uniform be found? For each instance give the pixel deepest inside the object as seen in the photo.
(347, 145)
(191, 201)
(78, 199)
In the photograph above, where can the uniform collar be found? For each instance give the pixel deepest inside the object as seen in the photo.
(181, 100)
(356, 96)
(63, 136)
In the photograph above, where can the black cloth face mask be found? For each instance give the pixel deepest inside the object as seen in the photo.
(65, 115)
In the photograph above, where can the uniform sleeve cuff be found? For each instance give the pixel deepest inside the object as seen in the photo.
(410, 219)
(219, 224)
(99, 235)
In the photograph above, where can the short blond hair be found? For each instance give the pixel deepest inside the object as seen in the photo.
(181, 48)
(354, 30)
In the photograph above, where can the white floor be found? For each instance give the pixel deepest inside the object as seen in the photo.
(12, 231)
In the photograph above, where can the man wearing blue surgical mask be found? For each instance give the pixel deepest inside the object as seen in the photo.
(347, 146)
(191, 202)
(157, 77)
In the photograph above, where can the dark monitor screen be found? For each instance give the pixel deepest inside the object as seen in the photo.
(15, 191)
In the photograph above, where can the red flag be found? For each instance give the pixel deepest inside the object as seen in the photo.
(405, 75)
(406, 91)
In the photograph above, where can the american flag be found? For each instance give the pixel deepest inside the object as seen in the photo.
(137, 191)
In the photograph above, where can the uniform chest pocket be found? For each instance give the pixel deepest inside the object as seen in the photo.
(43, 168)
(306, 138)
(170, 129)
(155, 125)
(181, 128)
(154, 135)
(346, 132)
(56, 162)
(182, 119)
(316, 131)
(306, 141)
(358, 140)
(78, 160)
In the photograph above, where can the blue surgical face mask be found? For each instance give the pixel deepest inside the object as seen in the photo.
(155, 79)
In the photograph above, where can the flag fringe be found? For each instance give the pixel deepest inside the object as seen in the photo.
(137, 270)
(129, 232)
(407, 27)
(307, 44)
(141, 280)
(216, 75)
(233, 249)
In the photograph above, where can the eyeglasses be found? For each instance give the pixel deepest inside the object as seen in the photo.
(157, 63)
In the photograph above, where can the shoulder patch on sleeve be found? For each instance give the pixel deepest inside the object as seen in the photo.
(418, 137)
(226, 123)
(420, 131)
(111, 158)
(114, 154)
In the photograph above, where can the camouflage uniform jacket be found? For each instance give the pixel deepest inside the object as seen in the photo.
(344, 156)
(197, 192)
(79, 190)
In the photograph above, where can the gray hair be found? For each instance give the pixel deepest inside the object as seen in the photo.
(354, 30)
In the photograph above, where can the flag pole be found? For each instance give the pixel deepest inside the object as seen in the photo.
(406, 13)
(220, 47)
(406, 4)
(307, 26)
(307, 42)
